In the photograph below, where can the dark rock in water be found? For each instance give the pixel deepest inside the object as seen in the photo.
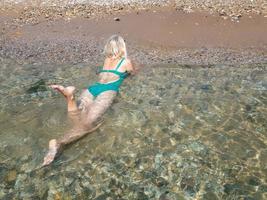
(142, 196)
(140, 101)
(117, 19)
(254, 181)
(38, 86)
(3, 171)
(176, 136)
(102, 197)
(8, 196)
(11, 176)
(163, 197)
(88, 193)
(189, 186)
(210, 196)
(263, 158)
(249, 198)
(154, 102)
(248, 108)
(228, 188)
(44, 193)
(263, 188)
(161, 182)
(206, 87)
(237, 188)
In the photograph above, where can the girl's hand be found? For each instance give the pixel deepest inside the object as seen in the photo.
(131, 68)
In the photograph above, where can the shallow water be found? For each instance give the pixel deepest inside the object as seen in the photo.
(174, 132)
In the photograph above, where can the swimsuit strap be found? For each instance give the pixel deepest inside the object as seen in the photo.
(118, 66)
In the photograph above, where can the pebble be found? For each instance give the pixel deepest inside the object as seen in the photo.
(20, 181)
(11, 176)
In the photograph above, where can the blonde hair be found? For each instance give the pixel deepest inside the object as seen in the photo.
(115, 47)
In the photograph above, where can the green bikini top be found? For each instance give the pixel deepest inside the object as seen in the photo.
(115, 71)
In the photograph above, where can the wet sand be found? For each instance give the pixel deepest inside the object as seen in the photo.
(158, 35)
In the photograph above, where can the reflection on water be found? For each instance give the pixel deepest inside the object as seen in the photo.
(174, 132)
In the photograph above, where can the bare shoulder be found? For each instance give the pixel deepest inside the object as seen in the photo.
(128, 61)
(106, 61)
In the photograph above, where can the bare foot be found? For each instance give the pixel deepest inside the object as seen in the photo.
(52, 152)
(66, 91)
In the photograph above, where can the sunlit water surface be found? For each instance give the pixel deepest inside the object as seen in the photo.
(174, 132)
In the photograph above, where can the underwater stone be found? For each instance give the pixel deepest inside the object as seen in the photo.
(160, 182)
(117, 19)
(88, 192)
(197, 147)
(164, 143)
(27, 195)
(176, 136)
(233, 188)
(154, 102)
(20, 181)
(2, 194)
(53, 193)
(210, 196)
(263, 158)
(78, 188)
(140, 101)
(26, 167)
(171, 115)
(102, 197)
(69, 181)
(25, 158)
(38, 86)
(254, 181)
(158, 159)
(263, 188)
(9, 196)
(173, 141)
(249, 198)
(188, 185)
(11, 176)
(142, 196)
(3, 172)
(43, 194)
(206, 87)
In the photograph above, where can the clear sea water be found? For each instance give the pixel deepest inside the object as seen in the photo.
(173, 132)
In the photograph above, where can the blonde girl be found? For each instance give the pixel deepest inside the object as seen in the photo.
(96, 99)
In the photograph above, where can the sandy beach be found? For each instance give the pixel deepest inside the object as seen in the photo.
(161, 32)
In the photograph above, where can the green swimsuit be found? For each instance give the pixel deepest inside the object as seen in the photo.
(98, 88)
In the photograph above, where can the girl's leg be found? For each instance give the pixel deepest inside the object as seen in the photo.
(84, 102)
(56, 145)
(102, 102)
(89, 118)
(68, 93)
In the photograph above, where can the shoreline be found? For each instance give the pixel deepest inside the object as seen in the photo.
(162, 35)
(234, 9)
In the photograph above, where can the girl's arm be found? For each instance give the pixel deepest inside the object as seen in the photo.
(130, 67)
